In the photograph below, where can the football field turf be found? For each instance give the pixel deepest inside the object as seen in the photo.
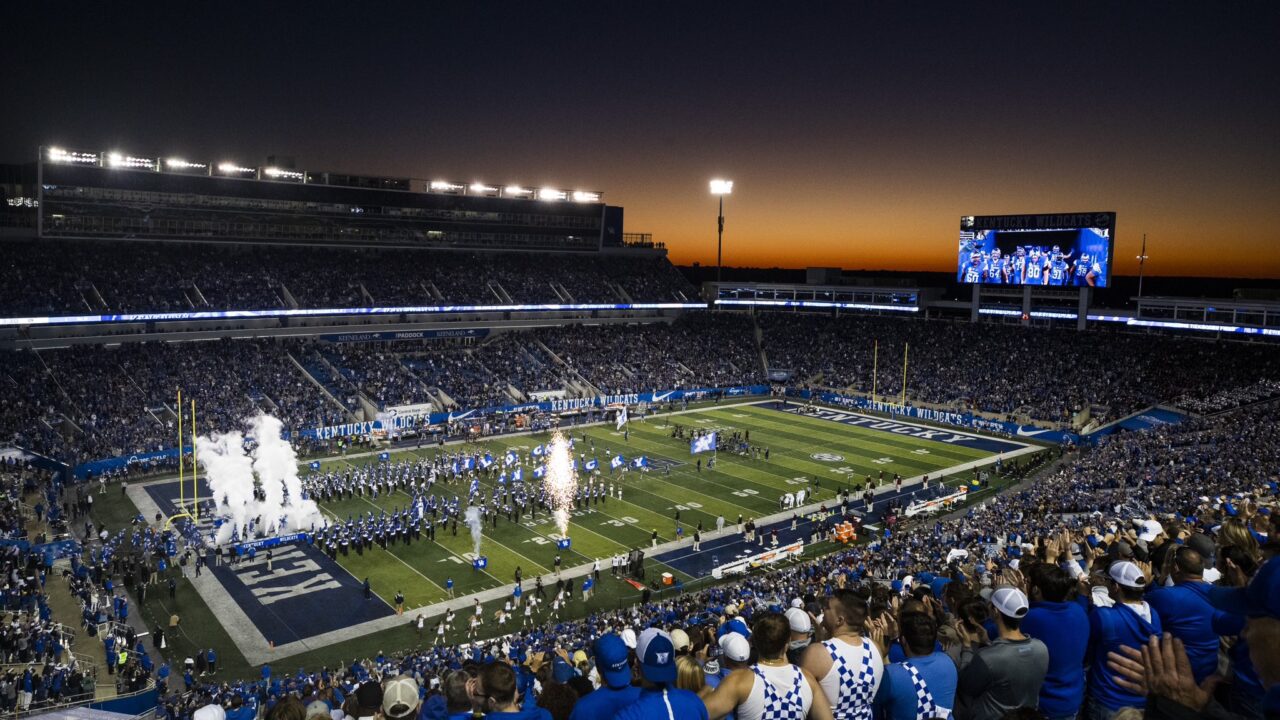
(801, 448)
(820, 454)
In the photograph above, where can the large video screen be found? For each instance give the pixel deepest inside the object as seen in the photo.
(1062, 250)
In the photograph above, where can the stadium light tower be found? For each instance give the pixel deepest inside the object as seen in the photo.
(1142, 260)
(720, 188)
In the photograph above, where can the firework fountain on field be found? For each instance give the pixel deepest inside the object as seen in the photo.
(560, 481)
(473, 520)
(257, 491)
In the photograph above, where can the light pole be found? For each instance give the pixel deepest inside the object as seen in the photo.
(1142, 260)
(721, 188)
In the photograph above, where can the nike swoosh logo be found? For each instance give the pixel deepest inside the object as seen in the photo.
(1029, 433)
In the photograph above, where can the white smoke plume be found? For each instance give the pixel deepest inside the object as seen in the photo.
(234, 474)
(473, 521)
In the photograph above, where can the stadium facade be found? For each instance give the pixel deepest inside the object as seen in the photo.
(110, 195)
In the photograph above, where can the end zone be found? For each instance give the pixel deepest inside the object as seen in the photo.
(900, 427)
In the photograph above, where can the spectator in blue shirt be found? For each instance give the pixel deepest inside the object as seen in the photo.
(1259, 602)
(457, 697)
(1129, 621)
(1186, 613)
(615, 691)
(1063, 626)
(494, 691)
(659, 698)
(923, 685)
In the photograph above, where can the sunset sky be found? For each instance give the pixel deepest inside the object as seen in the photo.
(856, 136)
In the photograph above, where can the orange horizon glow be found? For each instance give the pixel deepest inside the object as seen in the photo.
(789, 227)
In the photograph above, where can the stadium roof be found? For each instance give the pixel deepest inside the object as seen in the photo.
(276, 173)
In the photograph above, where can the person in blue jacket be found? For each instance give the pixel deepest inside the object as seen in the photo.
(1259, 602)
(109, 647)
(1130, 621)
(1186, 613)
(1063, 626)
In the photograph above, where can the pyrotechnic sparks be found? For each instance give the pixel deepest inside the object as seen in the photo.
(560, 481)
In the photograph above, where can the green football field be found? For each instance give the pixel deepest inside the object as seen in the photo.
(737, 486)
(800, 449)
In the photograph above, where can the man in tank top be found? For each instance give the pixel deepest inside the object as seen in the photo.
(772, 688)
(846, 663)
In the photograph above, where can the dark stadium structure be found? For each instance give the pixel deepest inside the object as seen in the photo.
(107, 195)
(399, 329)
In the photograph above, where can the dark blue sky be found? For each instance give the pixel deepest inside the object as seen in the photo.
(856, 135)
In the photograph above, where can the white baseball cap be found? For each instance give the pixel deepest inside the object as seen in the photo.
(1151, 529)
(680, 639)
(210, 712)
(1127, 574)
(1010, 602)
(799, 620)
(628, 638)
(735, 647)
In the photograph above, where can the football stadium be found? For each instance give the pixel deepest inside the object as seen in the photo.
(282, 442)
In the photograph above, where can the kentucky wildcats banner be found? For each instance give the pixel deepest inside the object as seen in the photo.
(269, 542)
(706, 443)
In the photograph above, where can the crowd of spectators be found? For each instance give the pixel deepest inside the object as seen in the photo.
(37, 668)
(513, 358)
(1138, 577)
(74, 277)
(377, 372)
(698, 350)
(1229, 398)
(122, 401)
(1050, 375)
(83, 403)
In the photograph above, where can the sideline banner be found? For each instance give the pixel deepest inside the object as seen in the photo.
(938, 504)
(268, 542)
(552, 405)
(444, 334)
(746, 564)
